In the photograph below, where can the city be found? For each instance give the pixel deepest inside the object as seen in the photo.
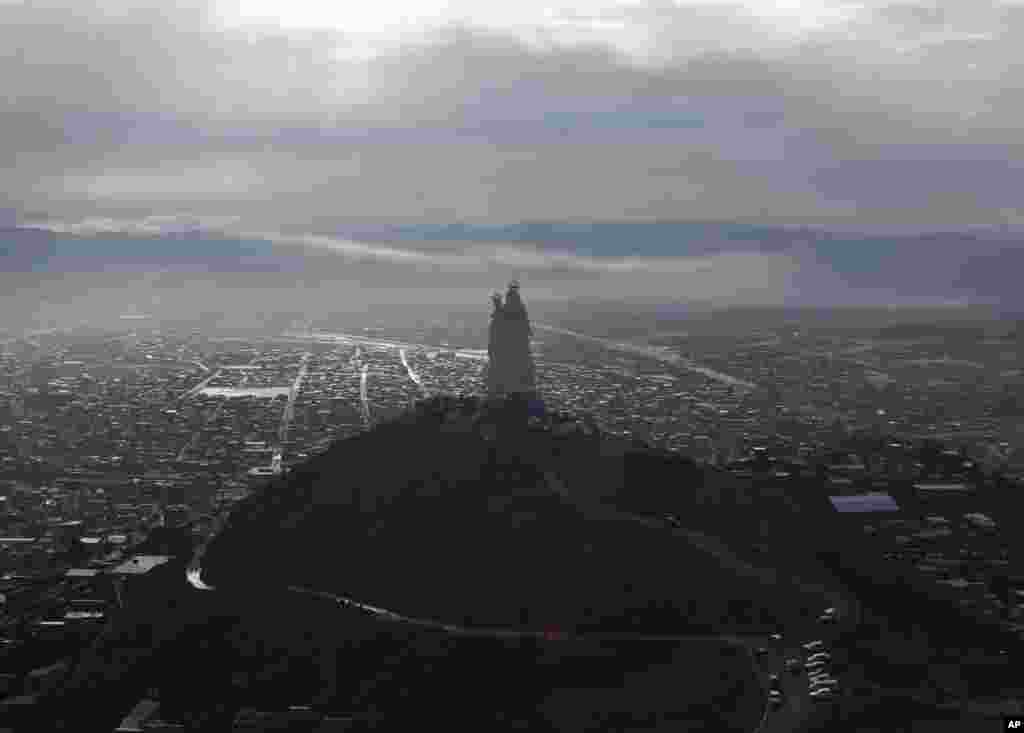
(122, 450)
(284, 447)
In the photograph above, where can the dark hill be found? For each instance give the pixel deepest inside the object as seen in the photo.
(429, 517)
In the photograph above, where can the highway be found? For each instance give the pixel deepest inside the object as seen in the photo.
(660, 354)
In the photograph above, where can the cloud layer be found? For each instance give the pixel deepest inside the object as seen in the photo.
(300, 120)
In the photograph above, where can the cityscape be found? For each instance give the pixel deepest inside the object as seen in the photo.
(123, 448)
(587, 367)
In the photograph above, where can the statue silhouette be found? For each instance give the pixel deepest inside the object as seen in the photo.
(510, 368)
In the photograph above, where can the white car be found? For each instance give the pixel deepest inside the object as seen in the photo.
(823, 694)
(812, 666)
(776, 637)
(814, 646)
(819, 656)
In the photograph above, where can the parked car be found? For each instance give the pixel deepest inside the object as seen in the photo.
(794, 665)
(814, 646)
(819, 656)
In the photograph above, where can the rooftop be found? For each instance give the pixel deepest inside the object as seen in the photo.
(140, 564)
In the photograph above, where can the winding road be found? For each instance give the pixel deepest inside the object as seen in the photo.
(794, 714)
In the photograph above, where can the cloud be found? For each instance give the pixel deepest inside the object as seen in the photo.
(153, 118)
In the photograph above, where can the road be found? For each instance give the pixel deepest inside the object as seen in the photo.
(749, 643)
(364, 375)
(652, 352)
(192, 444)
(346, 338)
(288, 414)
(413, 375)
(201, 386)
(364, 372)
(798, 708)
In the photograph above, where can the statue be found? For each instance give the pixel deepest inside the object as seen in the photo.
(510, 368)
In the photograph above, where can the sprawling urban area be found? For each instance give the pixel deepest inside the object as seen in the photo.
(121, 448)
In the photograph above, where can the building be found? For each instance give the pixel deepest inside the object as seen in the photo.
(875, 502)
(934, 490)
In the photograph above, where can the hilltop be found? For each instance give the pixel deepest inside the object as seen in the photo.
(456, 512)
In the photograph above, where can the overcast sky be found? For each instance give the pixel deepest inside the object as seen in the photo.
(291, 118)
